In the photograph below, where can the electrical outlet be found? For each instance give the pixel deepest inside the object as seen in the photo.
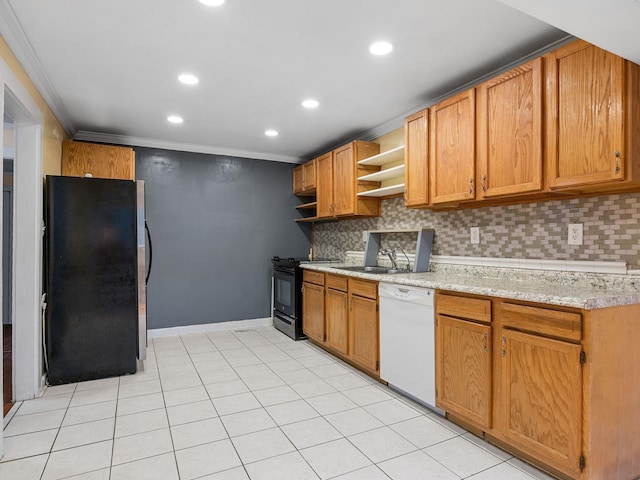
(574, 236)
(475, 235)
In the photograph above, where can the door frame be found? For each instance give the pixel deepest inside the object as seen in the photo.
(16, 101)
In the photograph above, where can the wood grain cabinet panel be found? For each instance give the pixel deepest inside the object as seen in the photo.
(510, 135)
(541, 383)
(452, 149)
(364, 332)
(337, 322)
(313, 311)
(416, 182)
(101, 161)
(324, 185)
(463, 373)
(298, 182)
(309, 176)
(304, 178)
(344, 181)
(591, 116)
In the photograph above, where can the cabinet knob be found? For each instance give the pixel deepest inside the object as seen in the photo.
(617, 155)
(484, 343)
(483, 183)
(504, 346)
(471, 185)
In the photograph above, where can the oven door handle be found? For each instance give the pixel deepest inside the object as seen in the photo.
(289, 273)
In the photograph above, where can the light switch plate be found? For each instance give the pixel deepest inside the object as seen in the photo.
(575, 234)
(475, 235)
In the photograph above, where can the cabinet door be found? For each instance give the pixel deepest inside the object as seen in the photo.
(298, 182)
(363, 332)
(344, 181)
(541, 384)
(510, 132)
(309, 176)
(101, 161)
(313, 311)
(585, 116)
(324, 185)
(416, 185)
(336, 316)
(463, 369)
(452, 152)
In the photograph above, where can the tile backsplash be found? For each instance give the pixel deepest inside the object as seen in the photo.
(532, 230)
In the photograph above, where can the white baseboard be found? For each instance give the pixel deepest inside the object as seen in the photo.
(209, 327)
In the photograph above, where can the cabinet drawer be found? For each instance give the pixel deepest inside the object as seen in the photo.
(313, 277)
(363, 288)
(545, 321)
(464, 307)
(337, 282)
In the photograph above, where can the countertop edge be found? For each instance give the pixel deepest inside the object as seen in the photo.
(578, 298)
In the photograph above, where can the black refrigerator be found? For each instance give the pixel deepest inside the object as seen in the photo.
(95, 320)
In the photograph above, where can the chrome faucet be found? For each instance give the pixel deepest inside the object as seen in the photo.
(392, 256)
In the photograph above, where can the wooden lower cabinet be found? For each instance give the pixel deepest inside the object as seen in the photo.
(364, 332)
(463, 382)
(561, 384)
(313, 311)
(541, 398)
(340, 314)
(337, 321)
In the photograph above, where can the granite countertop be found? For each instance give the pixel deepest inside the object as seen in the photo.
(528, 287)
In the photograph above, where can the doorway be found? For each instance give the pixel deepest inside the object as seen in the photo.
(7, 263)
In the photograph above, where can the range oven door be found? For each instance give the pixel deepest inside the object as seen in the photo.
(284, 291)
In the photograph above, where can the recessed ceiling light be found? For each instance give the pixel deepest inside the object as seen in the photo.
(175, 119)
(381, 48)
(188, 79)
(310, 103)
(212, 3)
(271, 133)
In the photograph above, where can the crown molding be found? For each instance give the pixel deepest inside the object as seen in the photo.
(13, 33)
(114, 139)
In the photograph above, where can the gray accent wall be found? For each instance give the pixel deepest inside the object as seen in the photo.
(215, 223)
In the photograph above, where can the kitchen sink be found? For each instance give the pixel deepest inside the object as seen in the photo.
(378, 270)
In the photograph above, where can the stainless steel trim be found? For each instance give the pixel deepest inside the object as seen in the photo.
(142, 271)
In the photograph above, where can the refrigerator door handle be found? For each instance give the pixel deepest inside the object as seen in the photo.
(146, 227)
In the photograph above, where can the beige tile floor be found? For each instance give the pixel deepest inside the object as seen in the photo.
(238, 405)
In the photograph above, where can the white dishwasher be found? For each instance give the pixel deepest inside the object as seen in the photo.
(407, 340)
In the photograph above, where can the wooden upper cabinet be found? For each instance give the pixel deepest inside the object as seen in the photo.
(337, 182)
(309, 176)
(510, 133)
(416, 140)
(101, 161)
(344, 180)
(298, 182)
(592, 116)
(452, 149)
(324, 185)
(304, 178)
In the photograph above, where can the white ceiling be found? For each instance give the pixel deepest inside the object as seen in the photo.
(108, 69)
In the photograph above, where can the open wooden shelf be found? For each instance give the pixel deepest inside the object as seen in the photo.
(382, 175)
(384, 158)
(383, 191)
